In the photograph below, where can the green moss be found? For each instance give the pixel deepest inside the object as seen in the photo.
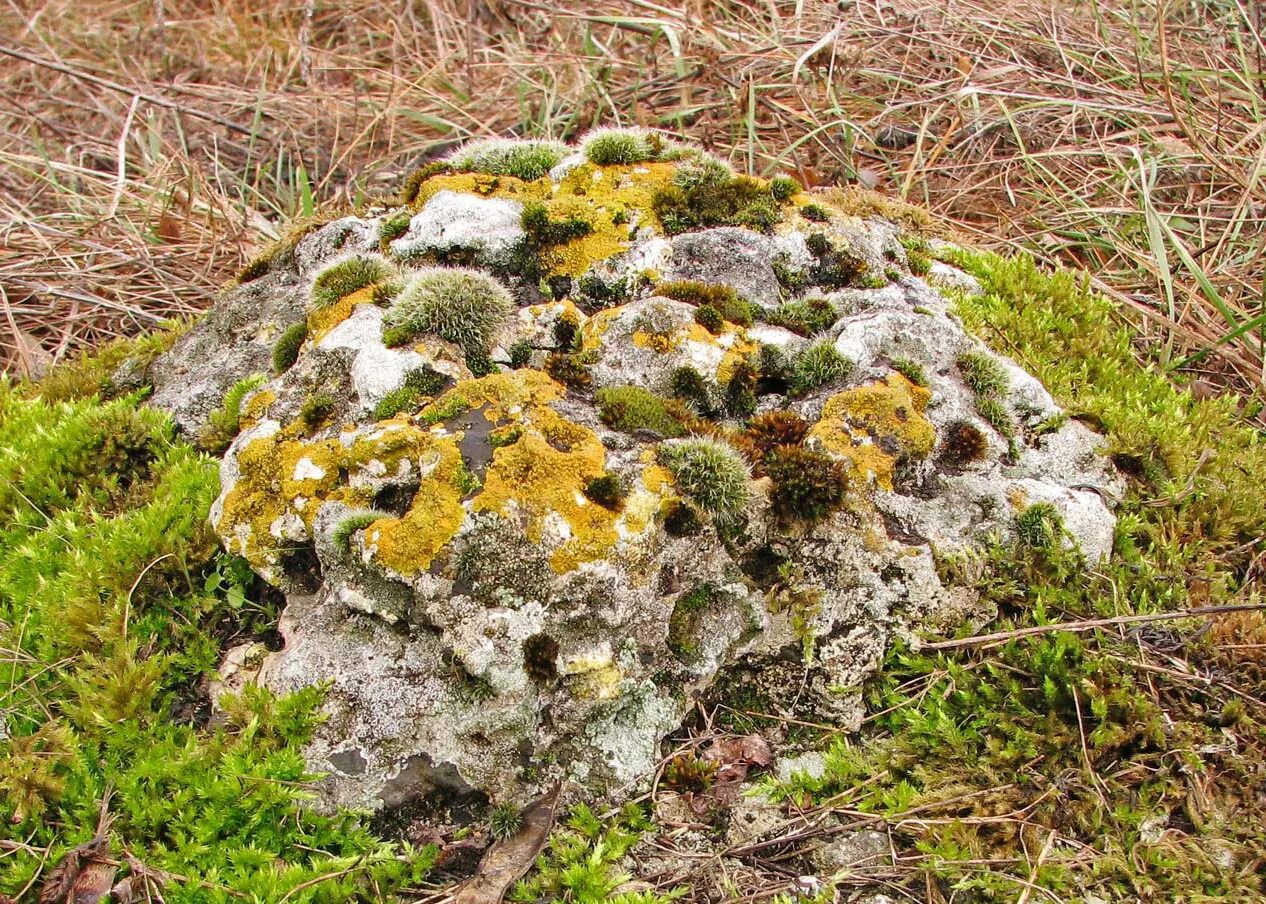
(720, 297)
(740, 389)
(632, 408)
(520, 354)
(1039, 526)
(567, 332)
(418, 385)
(920, 264)
(316, 410)
(570, 369)
(808, 485)
(525, 159)
(983, 374)
(783, 188)
(349, 524)
(837, 266)
(343, 277)
(681, 519)
(393, 227)
(710, 197)
(542, 229)
(710, 319)
(686, 622)
(504, 821)
(608, 147)
(94, 372)
(686, 384)
(412, 185)
(815, 213)
(910, 369)
(465, 307)
(286, 348)
(606, 490)
(819, 365)
(113, 612)
(223, 423)
(807, 317)
(710, 474)
(480, 364)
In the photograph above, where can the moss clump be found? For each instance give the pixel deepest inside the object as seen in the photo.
(607, 490)
(94, 373)
(393, 227)
(569, 369)
(525, 159)
(1039, 526)
(983, 374)
(418, 385)
(567, 332)
(784, 187)
(836, 266)
(710, 319)
(504, 821)
(920, 264)
(686, 384)
(465, 307)
(818, 365)
(286, 348)
(412, 185)
(964, 444)
(808, 485)
(910, 369)
(710, 196)
(632, 408)
(712, 475)
(815, 213)
(316, 410)
(620, 147)
(680, 518)
(769, 431)
(224, 422)
(520, 354)
(543, 230)
(343, 277)
(349, 524)
(723, 298)
(807, 317)
(685, 623)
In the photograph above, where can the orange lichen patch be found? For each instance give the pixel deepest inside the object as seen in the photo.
(542, 475)
(323, 320)
(255, 408)
(874, 425)
(407, 545)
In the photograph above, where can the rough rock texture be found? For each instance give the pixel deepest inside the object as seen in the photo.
(485, 619)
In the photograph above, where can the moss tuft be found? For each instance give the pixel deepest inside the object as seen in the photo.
(808, 485)
(982, 373)
(223, 423)
(783, 188)
(910, 369)
(607, 490)
(710, 319)
(723, 298)
(964, 444)
(632, 408)
(465, 307)
(703, 197)
(817, 366)
(1039, 526)
(620, 147)
(807, 317)
(837, 266)
(686, 384)
(286, 348)
(316, 410)
(522, 158)
(570, 369)
(336, 281)
(418, 385)
(680, 518)
(769, 431)
(815, 213)
(349, 524)
(711, 474)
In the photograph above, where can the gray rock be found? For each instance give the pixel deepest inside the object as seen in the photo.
(730, 256)
(852, 850)
(489, 227)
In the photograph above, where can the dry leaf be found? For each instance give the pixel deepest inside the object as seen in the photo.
(507, 860)
(142, 884)
(84, 875)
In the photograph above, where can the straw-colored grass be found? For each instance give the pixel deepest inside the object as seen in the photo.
(147, 149)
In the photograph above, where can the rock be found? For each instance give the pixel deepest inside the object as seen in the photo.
(753, 818)
(811, 763)
(850, 851)
(499, 587)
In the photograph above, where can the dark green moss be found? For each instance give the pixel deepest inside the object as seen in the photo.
(808, 485)
(286, 348)
(806, 317)
(835, 266)
(570, 369)
(520, 354)
(716, 201)
(815, 213)
(709, 318)
(783, 188)
(316, 410)
(567, 332)
(819, 365)
(740, 390)
(686, 384)
(681, 519)
(418, 385)
(607, 490)
(686, 622)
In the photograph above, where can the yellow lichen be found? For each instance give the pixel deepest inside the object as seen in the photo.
(407, 545)
(323, 320)
(874, 425)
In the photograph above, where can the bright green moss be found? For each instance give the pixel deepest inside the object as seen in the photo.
(349, 524)
(700, 198)
(783, 188)
(418, 385)
(286, 348)
(465, 307)
(910, 369)
(526, 159)
(112, 598)
(94, 373)
(341, 278)
(1039, 526)
(983, 374)
(223, 423)
(632, 408)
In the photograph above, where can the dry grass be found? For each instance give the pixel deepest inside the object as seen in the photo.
(147, 149)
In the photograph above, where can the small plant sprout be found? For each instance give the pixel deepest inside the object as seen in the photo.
(710, 474)
(504, 821)
(1039, 526)
(522, 158)
(343, 277)
(465, 307)
(610, 147)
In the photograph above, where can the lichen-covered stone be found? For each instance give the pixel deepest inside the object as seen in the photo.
(501, 588)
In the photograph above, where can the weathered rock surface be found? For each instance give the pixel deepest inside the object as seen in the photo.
(485, 619)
